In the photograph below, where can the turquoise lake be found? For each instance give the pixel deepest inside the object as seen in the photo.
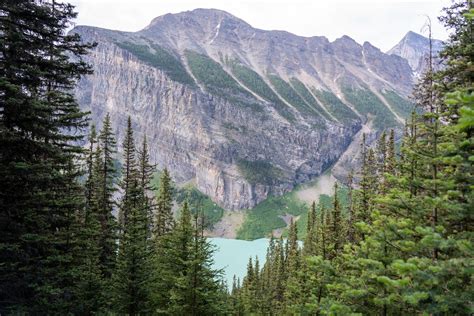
(232, 255)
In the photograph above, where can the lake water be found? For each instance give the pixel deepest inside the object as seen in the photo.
(232, 255)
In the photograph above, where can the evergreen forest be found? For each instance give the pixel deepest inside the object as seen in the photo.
(81, 234)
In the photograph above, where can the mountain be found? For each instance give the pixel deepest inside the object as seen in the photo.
(238, 112)
(415, 49)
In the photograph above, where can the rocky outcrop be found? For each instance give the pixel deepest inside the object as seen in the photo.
(281, 111)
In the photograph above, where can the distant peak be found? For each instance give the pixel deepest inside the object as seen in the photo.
(413, 35)
(199, 14)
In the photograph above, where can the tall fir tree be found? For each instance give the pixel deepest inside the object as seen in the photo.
(130, 281)
(106, 175)
(164, 215)
(145, 174)
(40, 125)
(129, 174)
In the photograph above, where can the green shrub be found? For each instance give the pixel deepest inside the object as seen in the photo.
(161, 59)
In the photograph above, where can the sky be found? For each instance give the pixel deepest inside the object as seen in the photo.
(380, 22)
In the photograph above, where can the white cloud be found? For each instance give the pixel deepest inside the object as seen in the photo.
(381, 22)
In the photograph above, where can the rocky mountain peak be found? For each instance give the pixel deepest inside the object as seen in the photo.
(204, 19)
(239, 112)
(414, 48)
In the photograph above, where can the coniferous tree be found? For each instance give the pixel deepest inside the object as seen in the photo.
(106, 175)
(90, 284)
(145, 174)
(130, 284)
(164, 204)
(90, 185)
(309, 246)
(129, 174)
(130, 287)
(40, 125)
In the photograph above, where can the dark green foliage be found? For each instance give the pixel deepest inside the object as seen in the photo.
(326, 202)
(129, 284)
(217, 81)
(40, 125)
(129, 174)
(254, 82)
(186, 284)
(458, 52)
(160, 58)
(145, 182)
(200, 204)
(90, 285)
(401, 106)
(105, 177)
(130, 288)
(259, 172)
(335, 106)
(366, 102)
(164, 222)
(303, 91)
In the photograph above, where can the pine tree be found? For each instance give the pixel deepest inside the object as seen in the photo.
(309, 246)
(390, 165)
(145, 174)
(294, 293)
(249, 289)
(90, 185)
(106, 187)
(129, 174)
(90, 284)
(336, 234)
(351, 216)
(457, 54)
(170, 258)
(40, 125)
(164, 215)
(130, 287)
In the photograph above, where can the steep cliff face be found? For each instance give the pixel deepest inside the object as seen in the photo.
(241, 112)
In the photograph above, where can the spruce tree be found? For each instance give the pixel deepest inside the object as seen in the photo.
(129, 174)
(90, 284)
(145, 174)
(40, 127)
(106, 175)
(130, 284)
(164, 204)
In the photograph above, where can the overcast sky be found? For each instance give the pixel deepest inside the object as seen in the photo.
(381, 22)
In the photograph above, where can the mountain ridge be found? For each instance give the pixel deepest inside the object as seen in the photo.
(225, 104)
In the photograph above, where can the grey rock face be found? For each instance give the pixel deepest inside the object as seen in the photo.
(415, 49)
(202, 131)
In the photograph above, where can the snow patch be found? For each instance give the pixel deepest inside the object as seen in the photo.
(218, 28)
